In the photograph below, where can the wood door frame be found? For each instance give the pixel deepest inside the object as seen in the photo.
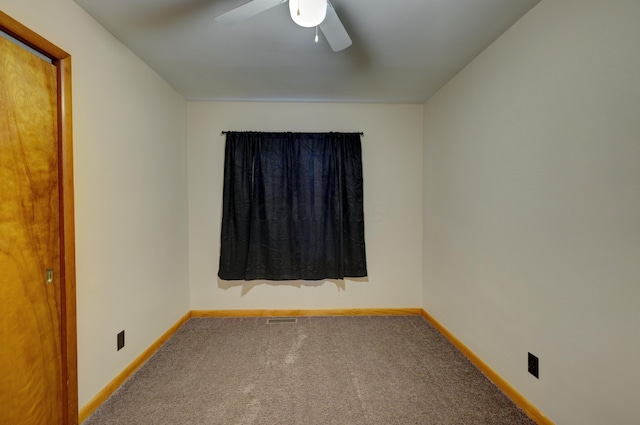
(68, 329)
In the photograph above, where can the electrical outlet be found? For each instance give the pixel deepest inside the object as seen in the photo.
(533, 365)
(120, 340)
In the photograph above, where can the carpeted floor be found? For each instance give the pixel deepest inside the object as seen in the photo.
(382, 370)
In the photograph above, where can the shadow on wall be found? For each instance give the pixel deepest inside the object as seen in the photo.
(248, 285)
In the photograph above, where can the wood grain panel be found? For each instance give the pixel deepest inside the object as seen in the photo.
(31, 389)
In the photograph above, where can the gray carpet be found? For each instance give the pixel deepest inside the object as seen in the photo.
(323, 370)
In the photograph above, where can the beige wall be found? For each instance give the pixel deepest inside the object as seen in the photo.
(532, 208)
(130, 187)
(392, 163)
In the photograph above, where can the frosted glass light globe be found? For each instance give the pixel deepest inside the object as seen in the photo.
(312, 12)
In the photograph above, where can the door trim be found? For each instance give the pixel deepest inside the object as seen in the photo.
(62, 61)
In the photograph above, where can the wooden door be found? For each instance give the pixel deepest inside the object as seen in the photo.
(34, 355)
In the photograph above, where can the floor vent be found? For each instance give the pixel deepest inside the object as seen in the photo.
(281, 320)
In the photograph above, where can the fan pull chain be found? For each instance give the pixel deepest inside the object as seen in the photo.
(298, 7)
(316, 34)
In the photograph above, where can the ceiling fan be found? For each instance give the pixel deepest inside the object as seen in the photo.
(306, 13)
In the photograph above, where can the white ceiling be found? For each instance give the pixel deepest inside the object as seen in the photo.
(402, 50)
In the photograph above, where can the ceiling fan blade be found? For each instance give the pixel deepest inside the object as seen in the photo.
(334, 31)
(247, 11)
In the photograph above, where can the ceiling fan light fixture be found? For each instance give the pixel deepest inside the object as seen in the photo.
(308, 13)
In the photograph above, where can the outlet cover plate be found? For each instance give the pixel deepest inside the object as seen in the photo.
(120, 340)
(533, 366)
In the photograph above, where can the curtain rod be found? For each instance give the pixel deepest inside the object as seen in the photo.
(225, 132)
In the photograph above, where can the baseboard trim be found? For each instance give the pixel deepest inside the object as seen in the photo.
(104, 394)
(531, 410)
(99, 398)
(300, 313)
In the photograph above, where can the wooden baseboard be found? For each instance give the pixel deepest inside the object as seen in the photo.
(532, 411)
(99, 398)
(299, 313)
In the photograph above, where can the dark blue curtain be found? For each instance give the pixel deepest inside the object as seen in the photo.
(292, 207)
